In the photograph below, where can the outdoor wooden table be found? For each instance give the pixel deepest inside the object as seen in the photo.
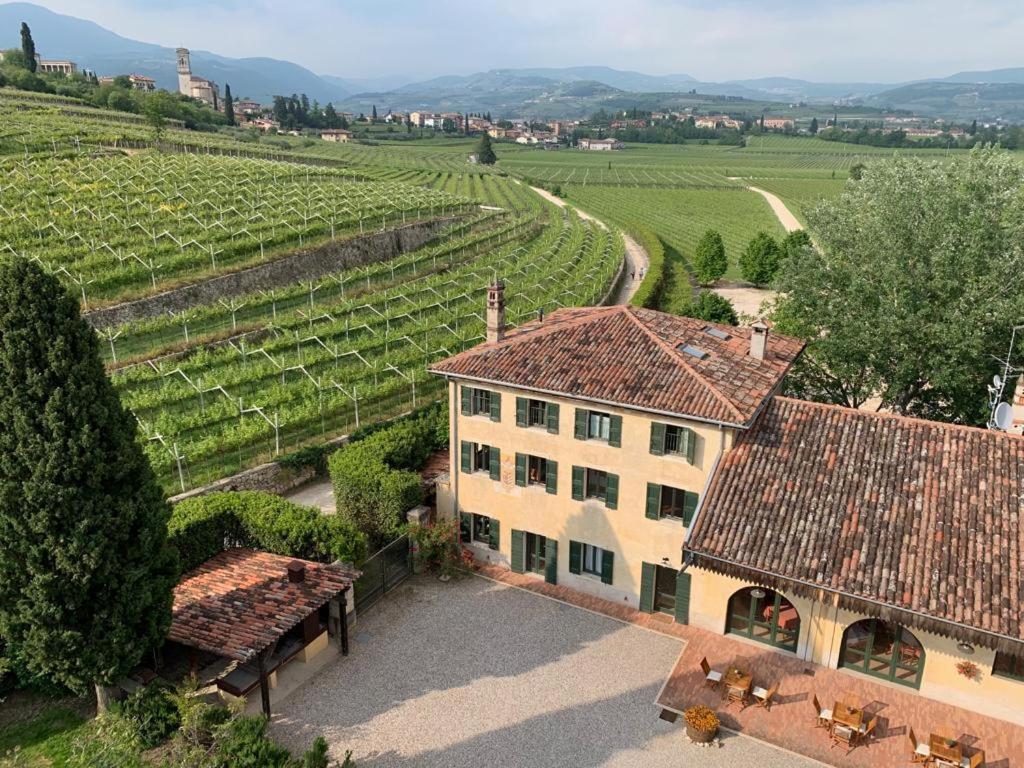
(944, 752)
(737, 678)
(844, 714)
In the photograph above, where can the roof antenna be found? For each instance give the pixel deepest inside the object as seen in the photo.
(1000, 412)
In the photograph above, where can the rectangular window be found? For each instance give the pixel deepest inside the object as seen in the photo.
(599, 425)
(536, 551)
(537, 471)
(1007, 665)
(482, 529)
(537, 413)
(481, 402)
(674, 439)
(673, 502)
(593, 558)
(597, 484)
(481, 458)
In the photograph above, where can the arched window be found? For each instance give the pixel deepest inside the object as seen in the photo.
(764, 615)
(882, 649)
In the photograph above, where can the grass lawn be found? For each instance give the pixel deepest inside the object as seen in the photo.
(41, 728)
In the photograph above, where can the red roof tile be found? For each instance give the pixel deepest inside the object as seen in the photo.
(917, 515)
(240, 601)
(630, 356)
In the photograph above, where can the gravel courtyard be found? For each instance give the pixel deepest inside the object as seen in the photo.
(475, 673)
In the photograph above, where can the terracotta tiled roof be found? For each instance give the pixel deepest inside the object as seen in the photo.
(917, 515)
(240, 601)
(631, 357)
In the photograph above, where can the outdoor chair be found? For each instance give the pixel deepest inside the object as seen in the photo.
(712, 677)
(865, 731)
(844, 736)
(763, 697)
(736, 696)
(824, 715)
(977, 759)
(920, 752)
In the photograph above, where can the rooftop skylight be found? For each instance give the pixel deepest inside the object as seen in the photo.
(692, 351)
(718, 333)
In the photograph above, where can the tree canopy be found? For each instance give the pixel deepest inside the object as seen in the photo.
(28, 47)
(919, 278)
(485, 152)
(711, 307)
(760, 259)
(709, 261)
(86, 576)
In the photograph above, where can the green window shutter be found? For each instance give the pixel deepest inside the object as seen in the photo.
(689, 438)
(657, 438)
(653, 501)
(495, 406)
(575, 557)
(495, 467)
(467, 456)
(552, 476)
(467, 399)
(689, 506)
(615, 431)
(495, 537)
(577, 483)
(579, 430)
(552, 417)
(522, 405)
(611, 497)
(465, 526)
(518, 551)
(648, 573)
(551, 561)
(607, 565)
(683, 597)
(521, 469)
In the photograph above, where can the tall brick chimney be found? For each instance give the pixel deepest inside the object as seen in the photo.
(495, 311)
(758, 339)
(1018, 407)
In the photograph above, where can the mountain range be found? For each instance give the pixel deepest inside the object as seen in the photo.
(540, 91)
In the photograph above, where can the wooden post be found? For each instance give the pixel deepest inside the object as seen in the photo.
(264, 685)
(343, 622)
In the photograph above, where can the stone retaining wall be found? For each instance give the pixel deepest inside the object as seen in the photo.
(308, 264)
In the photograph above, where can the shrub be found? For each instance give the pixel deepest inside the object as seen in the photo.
(701, 718)
(761, 259)
(650, 290)
(202, 526)
(709, 261)
(153, 714)
(112, 742)
(243, 743)
(795, 242)
(713, 308)
(374, 478)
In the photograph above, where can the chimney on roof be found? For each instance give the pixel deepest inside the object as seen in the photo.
(758, 339)
(495, 311)
(1018, 408)
(296, 572)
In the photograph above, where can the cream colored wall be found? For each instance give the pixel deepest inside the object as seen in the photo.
(821, 634)
(626, 531)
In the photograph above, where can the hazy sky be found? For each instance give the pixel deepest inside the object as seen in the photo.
(878, 40)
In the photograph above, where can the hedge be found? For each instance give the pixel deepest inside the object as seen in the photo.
(649, 293)
(374, 476)
(202, 526)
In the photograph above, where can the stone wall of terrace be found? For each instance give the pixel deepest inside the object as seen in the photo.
(303, 264)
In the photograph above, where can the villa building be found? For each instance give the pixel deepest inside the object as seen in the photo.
(600, 144)
(649, 459)
(339, 135)
(195, 87)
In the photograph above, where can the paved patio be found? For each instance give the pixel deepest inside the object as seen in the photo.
(474, 673)
(791, 723)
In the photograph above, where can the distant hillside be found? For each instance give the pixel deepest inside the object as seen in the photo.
(64, 37)
(1011, 75)
(956, 101)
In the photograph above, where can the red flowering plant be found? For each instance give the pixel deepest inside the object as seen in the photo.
(968, 669)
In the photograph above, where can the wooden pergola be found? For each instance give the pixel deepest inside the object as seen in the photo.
(241, 603)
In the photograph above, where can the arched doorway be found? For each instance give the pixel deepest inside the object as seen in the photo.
(883, 649)
(764, 615)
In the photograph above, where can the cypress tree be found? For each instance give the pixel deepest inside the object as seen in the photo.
(485, 152)
(229, 105)
(86, 576)
(373, 114)
(28, 47)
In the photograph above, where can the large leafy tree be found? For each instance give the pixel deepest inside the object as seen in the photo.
(711, 307)
(760, 260)
(919, 278)
(86, 576)
(28, 47)
(709, 261)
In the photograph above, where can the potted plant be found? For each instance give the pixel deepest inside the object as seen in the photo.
(701, 723)
(968, 669)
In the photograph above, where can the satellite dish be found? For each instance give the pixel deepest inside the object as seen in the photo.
(1003, 418)
(997, 381)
